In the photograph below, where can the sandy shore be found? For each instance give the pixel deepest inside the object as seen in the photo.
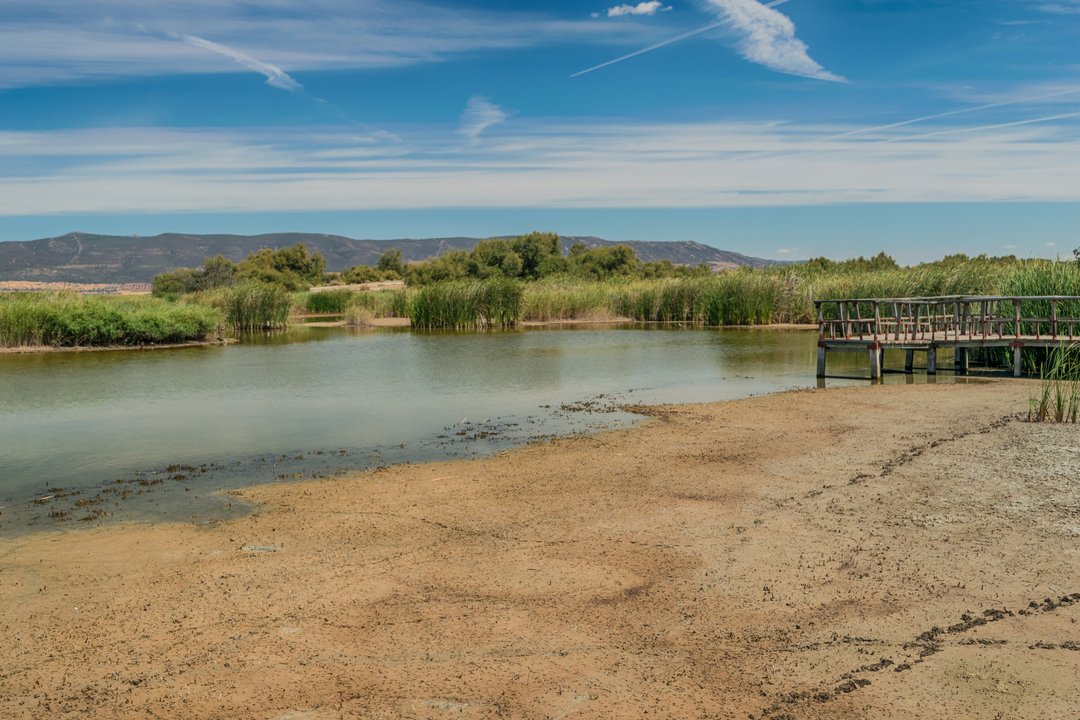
(885, 552)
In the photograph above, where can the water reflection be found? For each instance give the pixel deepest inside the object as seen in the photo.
(320, 400)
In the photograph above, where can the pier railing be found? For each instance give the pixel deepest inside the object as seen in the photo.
(954, 318)
(957, 322)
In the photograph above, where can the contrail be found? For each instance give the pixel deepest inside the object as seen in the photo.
(669, 41)
(995, 126)
(275, 76)
(961, 111)
(925, 118)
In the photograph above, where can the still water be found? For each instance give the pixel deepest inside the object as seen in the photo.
(319, 401)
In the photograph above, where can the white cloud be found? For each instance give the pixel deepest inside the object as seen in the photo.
(1010, 247)
(50, 41)
(1050, 244)
(275, 76)
(767, 37)
(480, 114)
(1065, 8)
(642, 8)
(537, 165)
(786, 251)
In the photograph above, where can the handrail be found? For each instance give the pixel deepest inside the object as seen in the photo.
(948, 317)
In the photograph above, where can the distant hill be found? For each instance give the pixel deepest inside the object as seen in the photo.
(85, 258)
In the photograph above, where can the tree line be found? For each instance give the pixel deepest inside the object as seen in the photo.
(527, 257)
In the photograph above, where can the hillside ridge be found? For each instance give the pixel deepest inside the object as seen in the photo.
(89, 258)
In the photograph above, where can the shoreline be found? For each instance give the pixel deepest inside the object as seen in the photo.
(391, 322)
(33, 349)
(841, 553)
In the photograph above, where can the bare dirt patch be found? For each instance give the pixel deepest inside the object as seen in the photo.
(899, 551)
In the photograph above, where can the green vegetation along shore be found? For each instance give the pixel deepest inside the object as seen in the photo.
(500, 284)
(72, 320)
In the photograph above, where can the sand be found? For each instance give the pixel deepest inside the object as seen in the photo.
(875, 552)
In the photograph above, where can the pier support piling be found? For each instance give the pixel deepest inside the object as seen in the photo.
(821, 361)
(909, 361)
(1017, 368)
(875, 363)
(960, 361)
(931, 361)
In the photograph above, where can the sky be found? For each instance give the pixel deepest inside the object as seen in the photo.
(784, 130)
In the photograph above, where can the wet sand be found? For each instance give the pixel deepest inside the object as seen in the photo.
(884, 552)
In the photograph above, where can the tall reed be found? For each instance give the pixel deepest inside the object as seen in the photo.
(255, 306)
(466, 305)
(70, 320)
(327, 302)
(385, 303)
(1058, 396)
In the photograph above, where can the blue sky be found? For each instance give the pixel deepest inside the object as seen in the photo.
(809, 128)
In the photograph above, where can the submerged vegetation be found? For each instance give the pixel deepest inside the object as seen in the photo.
(71, 320)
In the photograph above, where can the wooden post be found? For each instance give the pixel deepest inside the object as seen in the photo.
(1016, 312)
(909, 361)
(875, 363)
(1053, 319)
(820, 320)
(960, 361)
(877, 320)
(821, 351)
(931, 360)
(1016, 361)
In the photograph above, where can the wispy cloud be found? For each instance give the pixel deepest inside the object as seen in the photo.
(52, 41)
(480, 114)
(275, 76)
(1061, 8)
(642, 8)
(537, 165)
(767, 36)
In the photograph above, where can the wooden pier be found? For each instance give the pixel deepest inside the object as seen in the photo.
(929, 324)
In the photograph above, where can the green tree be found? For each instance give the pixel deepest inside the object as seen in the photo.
(391, 263)
(218, 271)
(292, 267)
(604, 262)
(534, 249)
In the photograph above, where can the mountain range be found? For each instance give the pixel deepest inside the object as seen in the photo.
(86, 258)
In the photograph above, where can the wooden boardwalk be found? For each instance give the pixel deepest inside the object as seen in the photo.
(958, 323)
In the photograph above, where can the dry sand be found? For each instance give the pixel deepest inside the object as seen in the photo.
(885, 552)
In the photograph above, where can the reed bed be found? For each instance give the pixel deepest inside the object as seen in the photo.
(70, 320)
(1058, 396)
(738, 298)
(560, 299)
(254, 306)
(385, 303)
(467, 305)
(356, 316)
(327, 302)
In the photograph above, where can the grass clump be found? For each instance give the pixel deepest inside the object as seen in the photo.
(255, 306)
(385, 303)
(563, 298)
(329, 302)
(1058, 396)
(357, 316)
(71, 320)
(467, 305)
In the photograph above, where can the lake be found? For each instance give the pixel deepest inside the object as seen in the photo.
(149, 434)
